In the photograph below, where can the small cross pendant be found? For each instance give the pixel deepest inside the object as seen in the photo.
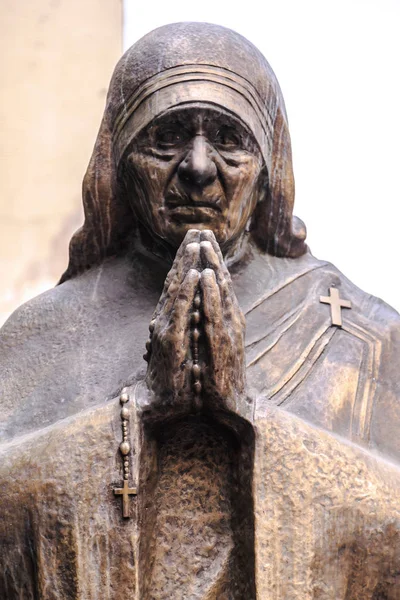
(336, 305)
(125, 492)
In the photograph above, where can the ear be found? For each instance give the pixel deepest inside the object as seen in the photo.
(273, 226)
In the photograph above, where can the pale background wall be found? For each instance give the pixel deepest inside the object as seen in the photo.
(338, 63)
(56, 61)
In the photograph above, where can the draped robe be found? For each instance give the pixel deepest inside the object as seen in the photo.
(325, 412)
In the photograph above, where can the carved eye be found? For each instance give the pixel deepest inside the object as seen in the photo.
(228, 138)
(169, 137)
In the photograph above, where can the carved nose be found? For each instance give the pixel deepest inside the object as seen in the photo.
(197, 167)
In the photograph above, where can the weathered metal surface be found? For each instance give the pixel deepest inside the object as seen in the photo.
(262, 434)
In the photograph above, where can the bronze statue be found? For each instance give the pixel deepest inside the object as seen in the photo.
(253, 452)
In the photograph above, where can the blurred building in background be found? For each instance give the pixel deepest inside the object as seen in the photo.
(57, 57)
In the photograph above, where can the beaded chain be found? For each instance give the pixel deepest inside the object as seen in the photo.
(124, 446)
(196, 370)
(125, 449)
(195, 335)
(148, 343)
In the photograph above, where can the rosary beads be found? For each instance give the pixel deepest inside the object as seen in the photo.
(125, 446)
(195, 318)
(148, 343)
(196, 370)
(125, 449)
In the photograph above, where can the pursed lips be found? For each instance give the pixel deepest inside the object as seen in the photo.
(189, 210)
(190, 202)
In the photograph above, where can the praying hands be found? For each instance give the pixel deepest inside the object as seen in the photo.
(196, 347)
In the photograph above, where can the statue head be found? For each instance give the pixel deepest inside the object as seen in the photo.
(194, 135)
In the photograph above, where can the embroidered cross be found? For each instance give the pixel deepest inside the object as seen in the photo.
(336, 305)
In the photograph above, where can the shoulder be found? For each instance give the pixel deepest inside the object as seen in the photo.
(66, 304)
(38, 313)
(371, 320)
(366, 309)
(376, 327)
(66, 348)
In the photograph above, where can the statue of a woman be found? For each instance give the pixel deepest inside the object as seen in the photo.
(253, 452)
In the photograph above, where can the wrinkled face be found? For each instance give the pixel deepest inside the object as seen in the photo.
(194, 167)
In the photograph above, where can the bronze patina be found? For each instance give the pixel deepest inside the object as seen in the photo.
(260, 430)
(125, 450)
(337, 303)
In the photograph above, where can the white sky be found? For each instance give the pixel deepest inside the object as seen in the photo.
(338, 63)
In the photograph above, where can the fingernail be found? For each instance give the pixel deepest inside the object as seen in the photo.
(207, 273)
(205, 244)
(193, 273)
(192, 247)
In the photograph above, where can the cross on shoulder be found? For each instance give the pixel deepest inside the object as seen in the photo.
(337, 304)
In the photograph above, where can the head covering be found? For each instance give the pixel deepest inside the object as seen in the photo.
(172, 65)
